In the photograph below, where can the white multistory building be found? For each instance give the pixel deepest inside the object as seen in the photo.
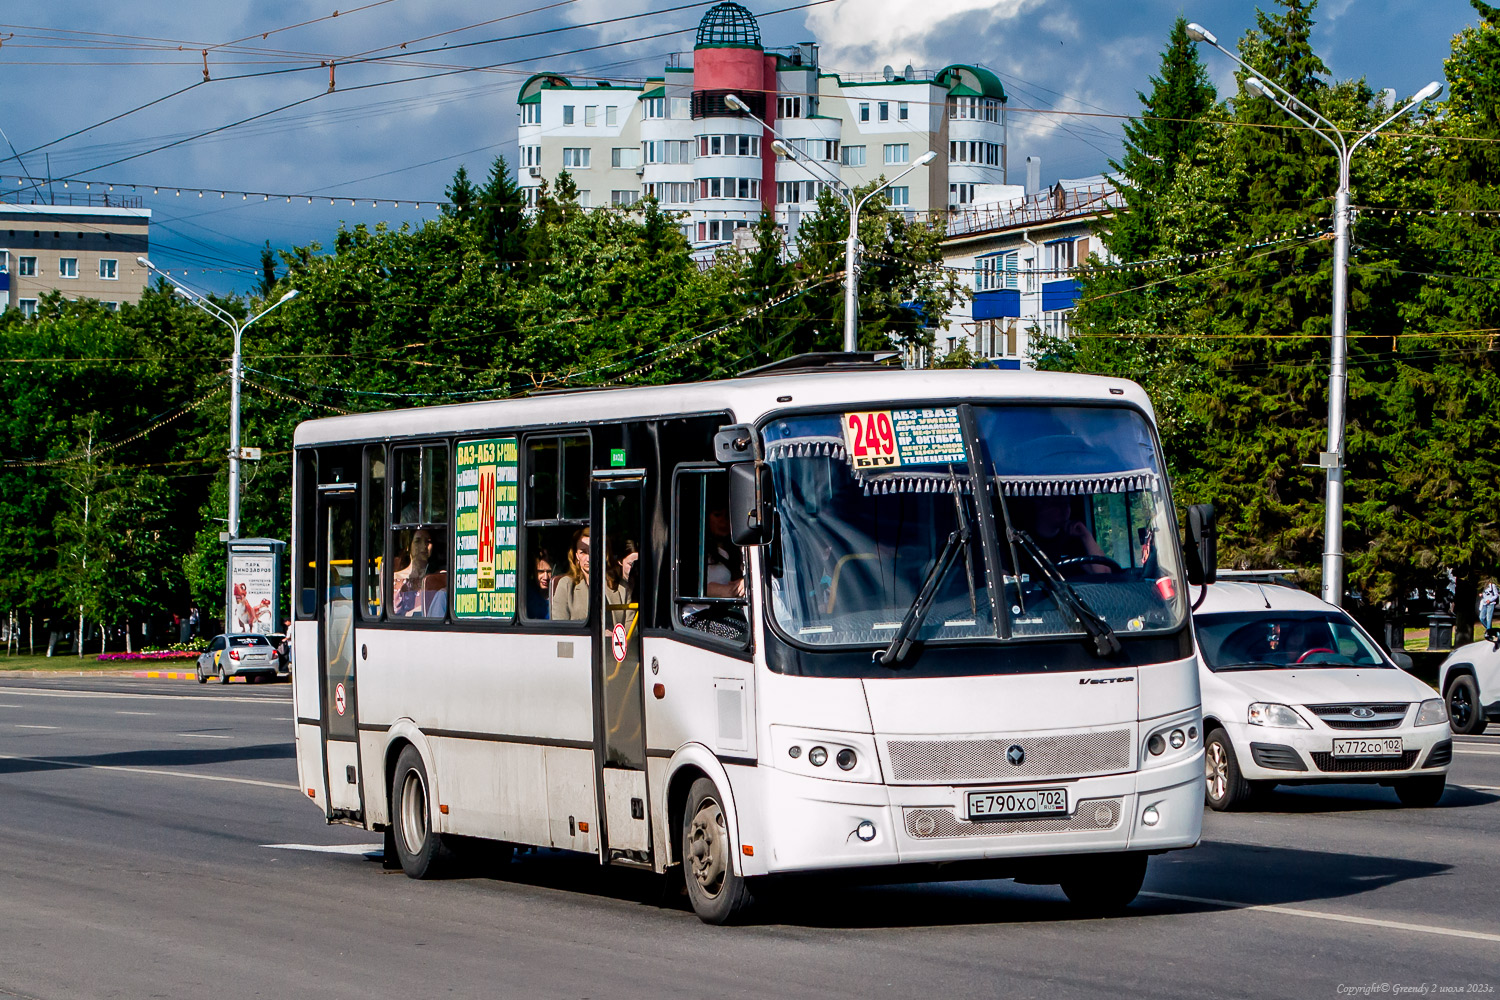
(675, 137)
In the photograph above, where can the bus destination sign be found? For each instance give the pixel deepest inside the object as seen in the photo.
(885, 439)
(485, 529)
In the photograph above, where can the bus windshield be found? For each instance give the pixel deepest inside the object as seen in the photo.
(869, 504)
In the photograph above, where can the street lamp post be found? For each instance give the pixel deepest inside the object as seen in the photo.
(236, 375)
(1332, 460)
(851, 248)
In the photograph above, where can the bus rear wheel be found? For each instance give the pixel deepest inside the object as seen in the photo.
(718, 895)
(1104, 884)
(418, 846)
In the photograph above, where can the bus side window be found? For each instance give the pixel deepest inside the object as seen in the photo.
(419, 533)
(305, 556)
(709, 581)
(375, 504)
(558, 544)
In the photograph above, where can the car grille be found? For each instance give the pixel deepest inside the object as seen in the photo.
(1441, 755)
(1353, 765)
(1276, 757)
(1388, 715)
(1091, 815)
(951, 762)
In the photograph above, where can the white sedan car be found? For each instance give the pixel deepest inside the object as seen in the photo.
(1295, 693)
(1470, 681)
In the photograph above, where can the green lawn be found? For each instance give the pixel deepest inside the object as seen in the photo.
(90, 661)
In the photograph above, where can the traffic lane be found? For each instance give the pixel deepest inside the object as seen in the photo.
(126, 684)
(45, 728)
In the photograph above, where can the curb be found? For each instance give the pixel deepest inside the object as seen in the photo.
(171, 675)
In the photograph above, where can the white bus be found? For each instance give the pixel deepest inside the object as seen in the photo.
(828, 616)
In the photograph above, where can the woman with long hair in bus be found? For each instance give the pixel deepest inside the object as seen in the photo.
(570, 598)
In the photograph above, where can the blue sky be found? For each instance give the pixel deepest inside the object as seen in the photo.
(65, 67)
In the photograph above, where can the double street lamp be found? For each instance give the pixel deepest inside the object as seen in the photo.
(1260, 85)
(851, 248)
(236, 375)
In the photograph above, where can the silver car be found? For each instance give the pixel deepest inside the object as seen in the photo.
(244, 655)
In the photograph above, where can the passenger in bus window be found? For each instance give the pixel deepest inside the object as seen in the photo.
(724, 561)
(539, 595)
(421, 586)
(570, 595)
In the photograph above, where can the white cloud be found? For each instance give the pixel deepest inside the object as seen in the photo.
(858, 35)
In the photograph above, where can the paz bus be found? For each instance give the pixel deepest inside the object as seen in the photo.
(826, 616)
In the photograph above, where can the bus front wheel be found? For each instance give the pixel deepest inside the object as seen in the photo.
(718, 895)
(418, 846)
(1104, 884)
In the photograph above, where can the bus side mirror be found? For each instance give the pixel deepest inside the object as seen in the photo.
(749, 504)
(1203, 545)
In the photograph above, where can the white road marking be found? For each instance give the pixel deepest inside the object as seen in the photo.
(1342, 918)
(135, 713)
(1478, 753)
(10, 706)
(22, 725)
(149, 770)
(204, 736)
(368, 850)
(269, 699)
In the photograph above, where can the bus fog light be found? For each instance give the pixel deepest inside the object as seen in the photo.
(1151, 817)
(1192, 732)
(1177, 739)
(794, 752)
(846, 760)
(1156, 745)
(817, 756)
(865, 831)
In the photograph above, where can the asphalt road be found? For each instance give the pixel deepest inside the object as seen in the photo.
(136, 819)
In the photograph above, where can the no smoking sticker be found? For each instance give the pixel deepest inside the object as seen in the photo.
(338, 698)
(617, 642)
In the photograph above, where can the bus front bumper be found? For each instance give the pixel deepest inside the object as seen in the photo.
(814, 823)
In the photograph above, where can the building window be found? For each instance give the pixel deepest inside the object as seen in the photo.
(729, 145)
(864, 112)
(655, 107)
(681, 108)
(900, 196)
(960, 194)
(669, 151)
(625, 157)
(795, 192)
(671, 193)
(997, 270)
(901, 111)
(28, 307)
(995, 338)
(885, 111)
(567, 114)
(719, 230)
(531, 156)
(788, 107)
(113, 307)
(897, 152)
(585, 199)
(531, 114)
(728, 187)
(624, 199)
(853, 156)
(611, 118)
(1030, 271)
(26, 267)
(591, 115)
(67, 267)
(107, 270)
(576, 157)
(1057, 324)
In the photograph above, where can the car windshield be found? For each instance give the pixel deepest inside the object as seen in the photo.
(1281, 640)
(867, 502)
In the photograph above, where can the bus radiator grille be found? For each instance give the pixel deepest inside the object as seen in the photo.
(1091, 815)
(952, 762)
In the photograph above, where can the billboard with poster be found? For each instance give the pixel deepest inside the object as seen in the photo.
(254, 585)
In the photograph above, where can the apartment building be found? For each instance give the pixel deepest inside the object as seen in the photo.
(85, 249)
(1020, 259)
(676, 137)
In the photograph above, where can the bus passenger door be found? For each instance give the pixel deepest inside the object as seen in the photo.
(619, 711)
(338, 527)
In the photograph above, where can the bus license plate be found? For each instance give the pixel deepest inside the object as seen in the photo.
(1018, 804)
(1388, 746)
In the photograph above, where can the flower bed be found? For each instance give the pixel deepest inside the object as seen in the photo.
(155, 654)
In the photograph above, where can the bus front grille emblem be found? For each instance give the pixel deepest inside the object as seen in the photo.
(1015, 755)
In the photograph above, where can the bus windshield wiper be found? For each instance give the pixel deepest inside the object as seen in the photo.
(1106, 643)
(958, 540)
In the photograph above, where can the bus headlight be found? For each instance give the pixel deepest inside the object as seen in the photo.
(1170, 740)
(817, 756)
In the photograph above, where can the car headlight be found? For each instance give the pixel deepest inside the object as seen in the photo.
(1432, 712)
(1263, 713)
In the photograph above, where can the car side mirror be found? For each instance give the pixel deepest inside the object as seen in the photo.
(1202, 553)
(749, 503)
(1402, 659)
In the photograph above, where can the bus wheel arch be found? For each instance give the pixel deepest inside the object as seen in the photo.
(400, 736)
(689, 764)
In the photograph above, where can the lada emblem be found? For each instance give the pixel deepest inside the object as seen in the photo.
(1015, 755)
(1362, 712)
